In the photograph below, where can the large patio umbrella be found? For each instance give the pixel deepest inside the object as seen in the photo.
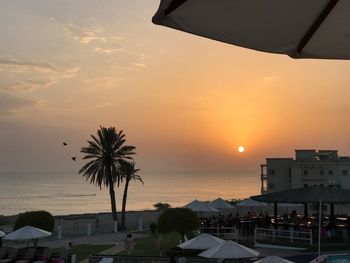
(198, 206)
(273, 259)
(203, 241)
(306, 195)
(220, 204)
(27, 233)
(250, 203)
(312, 194)
(229, 249)
(298, 28)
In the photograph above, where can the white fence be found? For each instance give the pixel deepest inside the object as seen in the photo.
(262, 235)
(229, 233)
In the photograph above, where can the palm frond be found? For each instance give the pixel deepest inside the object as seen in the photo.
(107, 153)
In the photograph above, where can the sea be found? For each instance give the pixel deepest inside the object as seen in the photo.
(69, 193)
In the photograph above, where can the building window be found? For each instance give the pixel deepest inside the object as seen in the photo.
(272, 172)
(305, 172)
(305, 185)
(330, 172)
(344, 172)
(321, 172)
(271, 185)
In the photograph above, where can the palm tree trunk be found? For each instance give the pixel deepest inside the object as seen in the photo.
(113, 202)
(125, 197)
(112, 193)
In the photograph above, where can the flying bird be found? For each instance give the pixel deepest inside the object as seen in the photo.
(64, 144)
(74, 158)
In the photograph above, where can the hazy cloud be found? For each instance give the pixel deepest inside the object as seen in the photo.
(27, 84)
(24, 75)
(10, 104)
(94, 85)
(85, 35)
(18, 66)
(101, 105)
(102, 41)
(70, 73)
(270, 78)
(139, 66)
(108, 50)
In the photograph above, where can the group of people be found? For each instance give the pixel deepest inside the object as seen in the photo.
(237, 221)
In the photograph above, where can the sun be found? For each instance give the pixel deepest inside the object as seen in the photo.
(241, 149)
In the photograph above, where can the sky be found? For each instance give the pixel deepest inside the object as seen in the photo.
(187, 103)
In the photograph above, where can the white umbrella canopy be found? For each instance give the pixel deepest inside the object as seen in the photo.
(273, 259)
(27, 233)
(229, 249)
(198, 206)
(203, 241)
(220, 204)
(192, 203)
(250, 203)
(298, 28)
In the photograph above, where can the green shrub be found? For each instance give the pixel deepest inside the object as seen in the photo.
(153, 228)
(40, 219)
(181, 220)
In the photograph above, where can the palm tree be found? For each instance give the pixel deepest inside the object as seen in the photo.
(129, 173)
(107, 153)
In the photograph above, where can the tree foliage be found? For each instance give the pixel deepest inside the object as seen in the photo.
(181, 220)
(161, 206)
(40, 219)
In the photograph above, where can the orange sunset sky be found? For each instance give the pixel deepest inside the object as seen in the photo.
(185, 102)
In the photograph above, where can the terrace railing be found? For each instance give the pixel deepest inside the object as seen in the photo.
(227, 233)
(282, 237)
(134, 259)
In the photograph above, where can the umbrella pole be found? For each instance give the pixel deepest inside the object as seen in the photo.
(319, 229)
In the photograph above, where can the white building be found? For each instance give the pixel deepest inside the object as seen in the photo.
(310, 167)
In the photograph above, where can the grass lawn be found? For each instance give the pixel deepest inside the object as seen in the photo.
(148, 246)
(83, 251)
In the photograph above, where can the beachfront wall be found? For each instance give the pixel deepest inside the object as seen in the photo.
(101, 223)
